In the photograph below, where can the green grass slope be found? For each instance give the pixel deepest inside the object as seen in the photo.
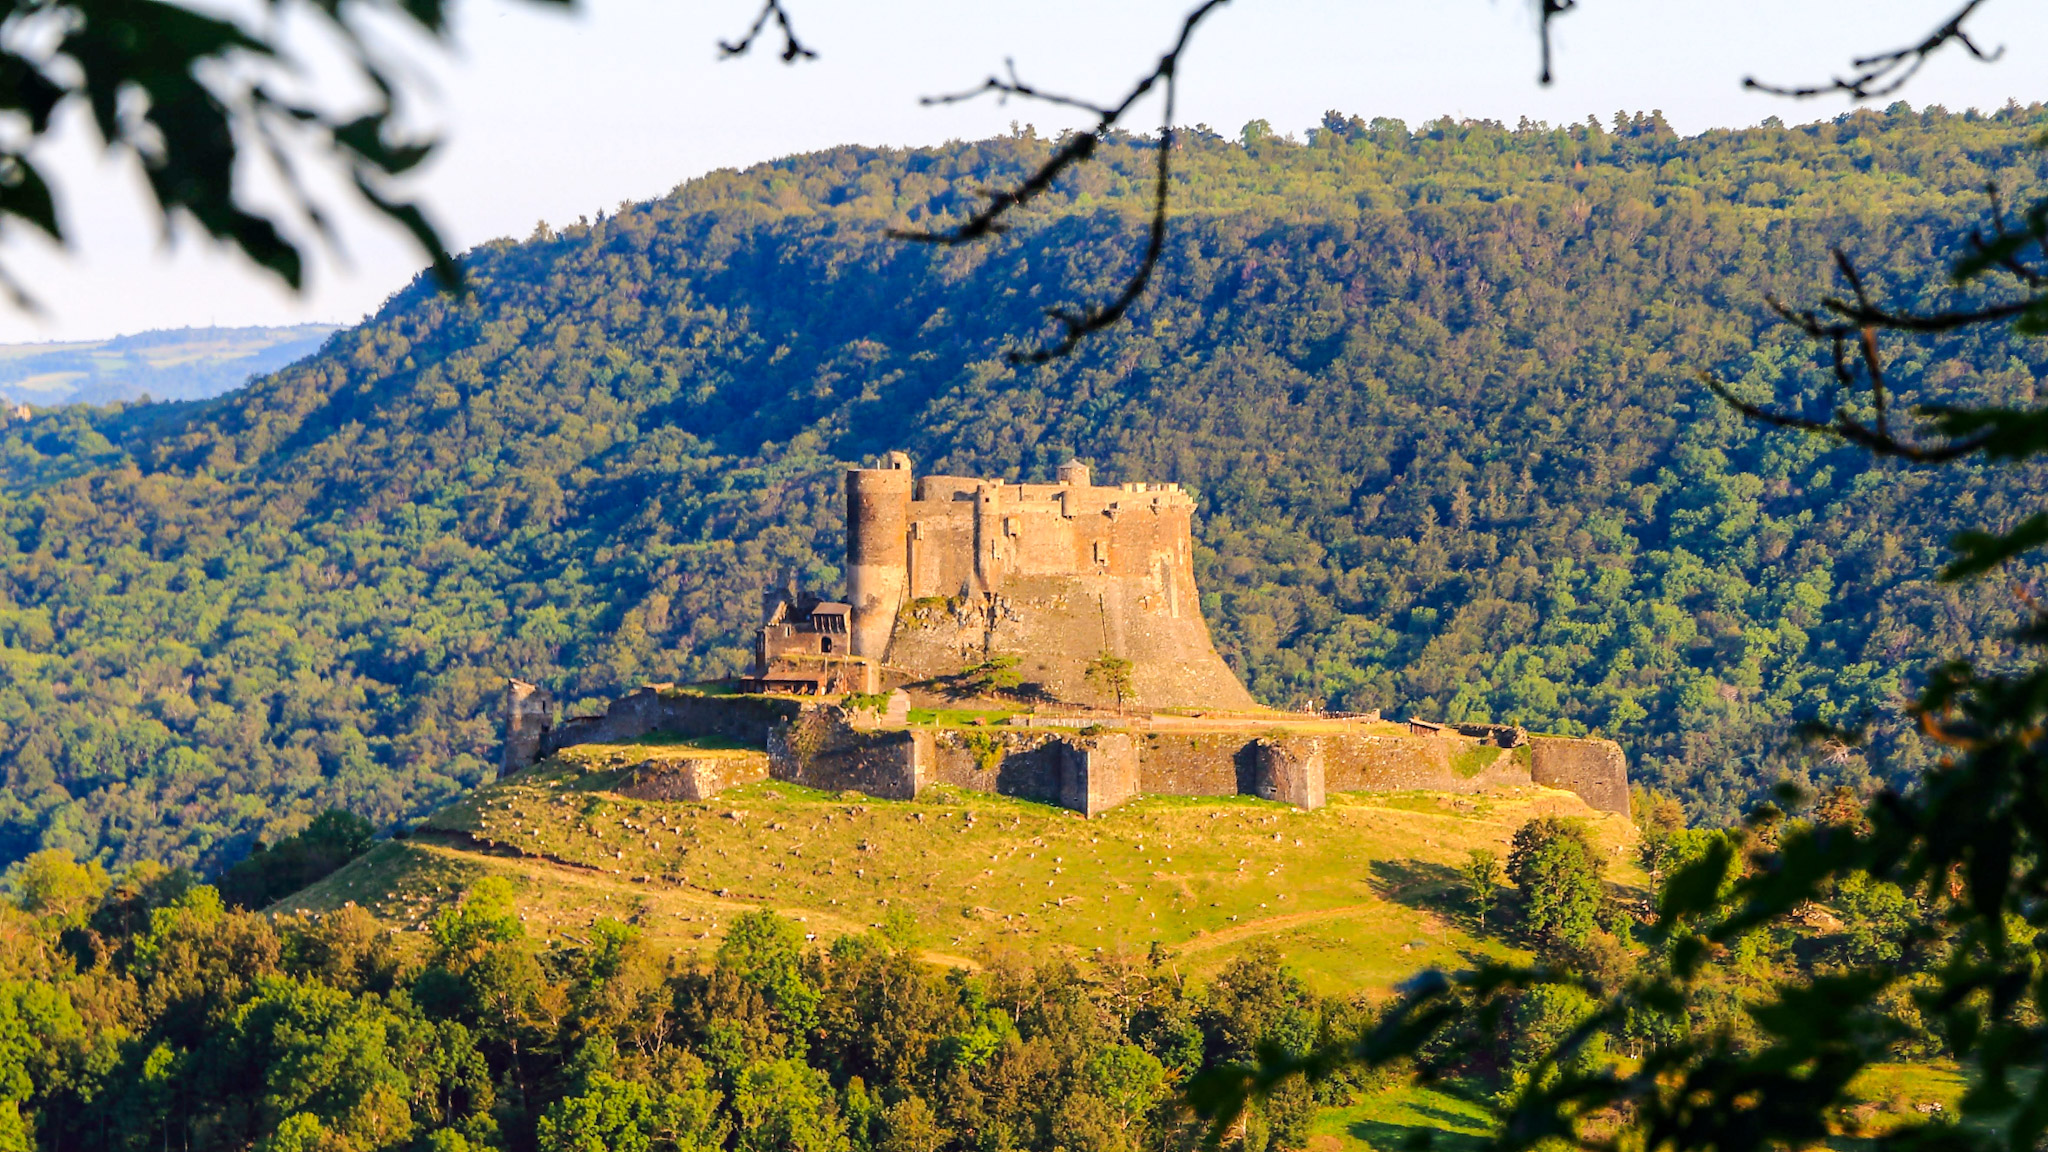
(1452, 1117)
(1358, 895)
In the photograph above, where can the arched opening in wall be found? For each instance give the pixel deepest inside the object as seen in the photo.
(824, 643)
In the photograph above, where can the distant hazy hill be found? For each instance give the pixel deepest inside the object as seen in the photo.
(1434, 390)
(171, 364)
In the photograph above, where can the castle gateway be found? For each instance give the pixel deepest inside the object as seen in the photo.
(947, 571)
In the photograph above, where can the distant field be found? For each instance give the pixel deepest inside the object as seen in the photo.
(1388, 1120)
(175, 364)
(1886, 1096)
(1358, 896)
(1890, 1096)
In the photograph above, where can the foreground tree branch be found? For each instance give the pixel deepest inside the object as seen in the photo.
(1887, 72)
(772, 11)
(1851, 328)
(1078, 323)
(1878, 75)
(1967, 842)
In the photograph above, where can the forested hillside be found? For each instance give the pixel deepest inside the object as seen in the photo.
(1434, 390)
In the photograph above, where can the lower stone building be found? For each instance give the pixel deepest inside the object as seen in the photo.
(804, 647)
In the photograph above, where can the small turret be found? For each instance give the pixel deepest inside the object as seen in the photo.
(529, 716)
(1075, 473)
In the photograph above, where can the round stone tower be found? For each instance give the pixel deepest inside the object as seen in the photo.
(877, 550)
(529, 715)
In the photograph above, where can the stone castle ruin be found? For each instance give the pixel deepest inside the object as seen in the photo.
(947, 572)
(943, 571)
(805, 646)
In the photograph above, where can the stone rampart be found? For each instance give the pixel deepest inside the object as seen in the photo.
(1364, 763)
(1089, 771)
(1595, 769)
(529, 717)
(1098, 772)
(1195, 764)
(818, 748)
(1025, 764)
(654, 708)
(693, 777)
(1289, 770)
(1045, 765)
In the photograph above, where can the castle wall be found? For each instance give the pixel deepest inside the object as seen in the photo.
(816, 745)
(1057, 625)
(1196, 764)
(941, 550)
(1289, 770)
(819, 749)
(1361, 763)
(1098, 773)
(694, 777)
(1286, 767)
(746, 719)
(969, 535)
(1053, 573)
(529, 716)
(1028, 766)
(1595, 769)
(1226, 763)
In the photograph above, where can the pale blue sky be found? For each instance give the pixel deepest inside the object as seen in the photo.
(552, 116)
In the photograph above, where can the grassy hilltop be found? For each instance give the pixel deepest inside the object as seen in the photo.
(1355, 897)
(1358, 895)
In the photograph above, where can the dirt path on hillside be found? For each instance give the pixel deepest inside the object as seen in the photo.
(563, 875)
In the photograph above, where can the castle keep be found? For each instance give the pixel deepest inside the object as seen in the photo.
(947, 572)
(943, 571)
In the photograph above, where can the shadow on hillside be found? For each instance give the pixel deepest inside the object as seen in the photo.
(1439, 889)
(963, 688)
(1380, 1134)
(1419, 884)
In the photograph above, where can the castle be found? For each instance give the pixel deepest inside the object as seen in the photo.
(947, 573)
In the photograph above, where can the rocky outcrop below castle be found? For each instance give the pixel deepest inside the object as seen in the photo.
(1057, 625)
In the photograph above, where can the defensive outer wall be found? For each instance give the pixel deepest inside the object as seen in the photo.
(1088, 770)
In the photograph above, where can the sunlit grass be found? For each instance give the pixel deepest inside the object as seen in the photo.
(1390, 1120)
(1359, 895)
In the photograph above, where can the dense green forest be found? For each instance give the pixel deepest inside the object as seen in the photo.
(146, 1014)
(1434, 389)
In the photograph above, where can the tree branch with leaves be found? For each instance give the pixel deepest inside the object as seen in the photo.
(1968, 840)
